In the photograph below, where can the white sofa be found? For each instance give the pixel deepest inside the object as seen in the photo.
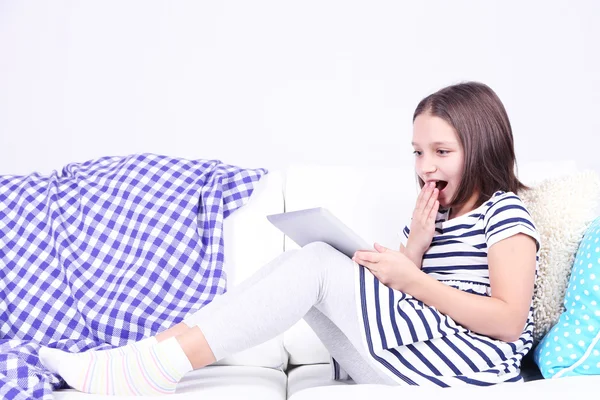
(375, 202)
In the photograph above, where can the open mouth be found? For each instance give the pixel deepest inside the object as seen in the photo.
(440, 185)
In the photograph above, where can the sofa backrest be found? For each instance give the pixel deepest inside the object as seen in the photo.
(251, 240)
(373, 201)
(376, 202)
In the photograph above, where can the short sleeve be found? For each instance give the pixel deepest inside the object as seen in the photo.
(506, 217)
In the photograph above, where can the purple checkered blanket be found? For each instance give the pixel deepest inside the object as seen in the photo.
(109, 251)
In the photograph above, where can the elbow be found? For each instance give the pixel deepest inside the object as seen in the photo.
(507, 336)
(511, 336)
(510, 323)
(510, 332)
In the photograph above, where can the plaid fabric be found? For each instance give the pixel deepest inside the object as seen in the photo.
(110, 251)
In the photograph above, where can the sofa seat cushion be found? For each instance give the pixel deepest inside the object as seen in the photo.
(577, 387)
(212, 383)
(309, 376)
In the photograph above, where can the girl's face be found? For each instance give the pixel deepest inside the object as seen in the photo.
(439, 155)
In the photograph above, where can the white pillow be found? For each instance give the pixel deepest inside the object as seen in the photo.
(562, 208)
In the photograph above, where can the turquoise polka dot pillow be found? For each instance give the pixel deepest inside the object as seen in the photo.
(572, 346)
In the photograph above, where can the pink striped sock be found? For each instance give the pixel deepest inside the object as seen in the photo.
(146, 370)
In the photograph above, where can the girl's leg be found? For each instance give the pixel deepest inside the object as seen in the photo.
(316, 276)
(222, 301)
(338, 345)
(80, 372)
(218, 301)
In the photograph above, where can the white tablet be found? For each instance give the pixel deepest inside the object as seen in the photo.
(319, 225)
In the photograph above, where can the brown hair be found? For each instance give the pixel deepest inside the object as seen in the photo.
(481, 123)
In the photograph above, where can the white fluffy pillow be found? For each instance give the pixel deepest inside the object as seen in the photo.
(561, 208)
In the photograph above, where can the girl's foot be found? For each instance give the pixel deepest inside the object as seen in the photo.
(129, 370)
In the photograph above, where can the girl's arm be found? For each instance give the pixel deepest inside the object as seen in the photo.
(502, 316)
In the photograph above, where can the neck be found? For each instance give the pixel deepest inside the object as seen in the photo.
(464, 208)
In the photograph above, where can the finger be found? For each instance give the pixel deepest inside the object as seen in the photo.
(402, 248)
(380, 248)
(429, 206)
(426, 199)
(371, 257)
(421, 201)
(360, 261)
(370, 266)
(433, 212)
(361, 253)
(366, 256)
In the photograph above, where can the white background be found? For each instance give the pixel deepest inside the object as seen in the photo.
(267, 83)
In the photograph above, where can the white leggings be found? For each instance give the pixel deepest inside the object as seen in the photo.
(315, 283)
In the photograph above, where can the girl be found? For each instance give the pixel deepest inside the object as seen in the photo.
(452, 306)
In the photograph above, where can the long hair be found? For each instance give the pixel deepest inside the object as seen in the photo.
(483, 128)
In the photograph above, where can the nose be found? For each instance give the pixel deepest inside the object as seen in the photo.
(427, 166)
(429, 169)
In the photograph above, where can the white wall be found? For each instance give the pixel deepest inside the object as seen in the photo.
(273, 82)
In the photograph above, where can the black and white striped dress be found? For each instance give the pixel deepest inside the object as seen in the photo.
(414, 343)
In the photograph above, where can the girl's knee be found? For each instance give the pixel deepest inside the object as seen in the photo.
(322, 251)
(324, 255)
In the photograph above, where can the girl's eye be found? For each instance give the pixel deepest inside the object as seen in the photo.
(417, 153)
(443, 152)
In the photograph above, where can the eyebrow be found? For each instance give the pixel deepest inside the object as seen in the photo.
(437, 143)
